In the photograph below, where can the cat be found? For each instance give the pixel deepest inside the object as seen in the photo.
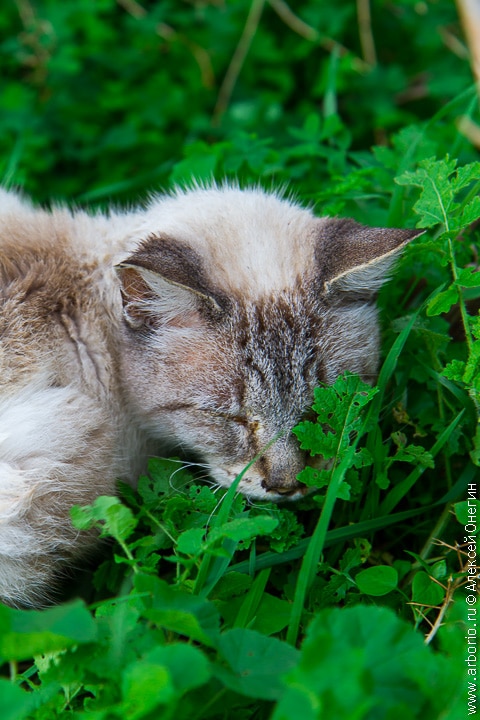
(200, 322)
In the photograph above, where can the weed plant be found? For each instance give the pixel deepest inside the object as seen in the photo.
(349, 604)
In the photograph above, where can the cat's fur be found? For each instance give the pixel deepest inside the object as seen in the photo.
(202, 322)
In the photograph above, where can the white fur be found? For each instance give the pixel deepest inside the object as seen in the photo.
(252, 243)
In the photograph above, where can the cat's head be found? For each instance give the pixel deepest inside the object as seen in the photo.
(237, 304)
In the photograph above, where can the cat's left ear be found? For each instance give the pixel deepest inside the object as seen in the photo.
(356, 258)
(164, 284)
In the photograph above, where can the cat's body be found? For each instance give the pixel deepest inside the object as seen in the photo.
(226, 308)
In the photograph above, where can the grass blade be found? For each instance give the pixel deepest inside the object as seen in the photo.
(315, 546)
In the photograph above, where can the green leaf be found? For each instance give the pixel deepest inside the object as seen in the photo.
(381, 656)
(15, 703)
(470, 213)
(426, 591)
(436, 198)
(415, 454)
(254, 663)
(468, 277)
(378, 580)
(440, 184)
(114, 518)
(200, 163)
(443, 301)
(463, 515)
(25, 633)
(178, 611)
(191, 542)
(162, 677)
(454, 370)
(177, 657)
(145, 686)
(338, 408)
(244, 528)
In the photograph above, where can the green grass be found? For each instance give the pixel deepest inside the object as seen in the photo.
(350, 603)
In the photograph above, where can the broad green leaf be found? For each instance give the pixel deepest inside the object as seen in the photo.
(271, 616)
(439, 570)
(15, 703)
(378, 580)
(162, 677)
(178, 611)
(145, 686)
(25, 633)
(254, 663)
(463, 515)
(381, 656)
(231, 585)
(426, 591)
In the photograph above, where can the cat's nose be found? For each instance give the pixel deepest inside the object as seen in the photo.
(282, 484)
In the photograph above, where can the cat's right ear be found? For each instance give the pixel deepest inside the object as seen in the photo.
(357, 259)
(165, 288)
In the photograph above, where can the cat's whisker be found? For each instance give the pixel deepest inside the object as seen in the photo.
(207, 524)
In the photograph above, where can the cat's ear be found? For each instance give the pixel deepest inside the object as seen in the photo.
(355, 258)
(163, 285)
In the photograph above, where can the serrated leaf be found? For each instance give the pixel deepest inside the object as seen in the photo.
(466, 175)
(415, 454)
(454, 370)
(339, 409)
(469, 214)
(244, 528)
(114, 518)
(312, 477)
(440, 183)
(344, 491)
(191, 542)
(378, 580)
(469, 276)
(442, 302)
(436, 199)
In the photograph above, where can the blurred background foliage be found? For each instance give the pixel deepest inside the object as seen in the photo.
(108, 99)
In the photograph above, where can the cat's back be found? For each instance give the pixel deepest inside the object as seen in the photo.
(61, 421)
(57, 294)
